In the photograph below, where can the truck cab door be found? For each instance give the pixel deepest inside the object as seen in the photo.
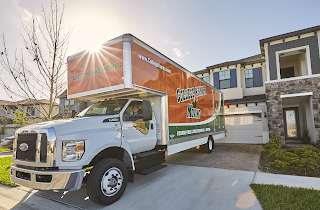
(138, 126)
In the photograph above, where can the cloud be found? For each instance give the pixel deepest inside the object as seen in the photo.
(177, 53)
(177, 43)
(187, 52)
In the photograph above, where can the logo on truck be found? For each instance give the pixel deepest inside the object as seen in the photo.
(193, 95)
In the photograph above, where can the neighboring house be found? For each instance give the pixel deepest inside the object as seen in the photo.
(32, 108)
(66, 106)
(275, 92)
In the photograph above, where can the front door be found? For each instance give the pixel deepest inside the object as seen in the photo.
(291, 123)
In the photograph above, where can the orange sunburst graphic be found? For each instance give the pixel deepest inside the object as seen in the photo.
(89, 62)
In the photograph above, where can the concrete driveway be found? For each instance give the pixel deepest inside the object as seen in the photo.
(174, 187)
(180, 185)
(243, 157)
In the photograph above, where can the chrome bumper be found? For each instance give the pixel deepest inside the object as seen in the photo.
(65, 180)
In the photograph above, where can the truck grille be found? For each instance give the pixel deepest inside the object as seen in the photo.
(43, 148)
(31, 140)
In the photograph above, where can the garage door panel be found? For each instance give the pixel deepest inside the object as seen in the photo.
(243, 129)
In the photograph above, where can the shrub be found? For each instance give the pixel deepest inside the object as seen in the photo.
(275, 139)
(304, 159)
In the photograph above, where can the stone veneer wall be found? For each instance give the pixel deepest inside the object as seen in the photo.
(274, 102)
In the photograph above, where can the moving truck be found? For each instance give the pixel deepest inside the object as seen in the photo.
(145, 105)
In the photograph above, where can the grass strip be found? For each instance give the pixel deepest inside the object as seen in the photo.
(5, 163)
(282, 197)
(4, 150)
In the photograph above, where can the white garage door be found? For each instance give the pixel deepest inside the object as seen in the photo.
(243, 129)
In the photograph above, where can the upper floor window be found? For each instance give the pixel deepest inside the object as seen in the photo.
(224, 79)
(253, 77)
(206, 79)
(249, 78)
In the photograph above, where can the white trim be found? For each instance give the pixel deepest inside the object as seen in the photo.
(318, 36)
(293, 78)
(149, 90)
(219, 136)
(244, 112)
(97, 91)
(296, 95)
(127, 65)
(172, 149)
(308, 59)
(267, 60)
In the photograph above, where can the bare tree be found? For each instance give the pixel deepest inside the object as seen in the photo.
(42, 73)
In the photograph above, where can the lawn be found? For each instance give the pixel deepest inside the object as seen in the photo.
(4, 150)
(5, 171)
(280, 197)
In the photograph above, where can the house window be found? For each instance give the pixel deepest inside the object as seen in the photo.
(68, 103)
(249, 78)
(206, 79)
(30, 111)
(224, 79)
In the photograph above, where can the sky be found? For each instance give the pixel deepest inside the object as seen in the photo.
(195, 34)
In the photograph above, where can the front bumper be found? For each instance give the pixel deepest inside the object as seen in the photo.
(64, 180)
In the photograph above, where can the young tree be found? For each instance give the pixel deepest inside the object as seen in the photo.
(42, 73)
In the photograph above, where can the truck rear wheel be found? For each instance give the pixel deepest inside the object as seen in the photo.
(107, 181)
(208, 147)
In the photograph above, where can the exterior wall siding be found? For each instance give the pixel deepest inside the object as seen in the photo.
(274, 102)
(314, 54)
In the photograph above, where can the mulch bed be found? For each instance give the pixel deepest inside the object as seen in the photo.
(264, 167)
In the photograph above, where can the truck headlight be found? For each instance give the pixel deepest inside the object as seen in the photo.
(72, 150)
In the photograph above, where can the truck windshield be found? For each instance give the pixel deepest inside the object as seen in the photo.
(109, 107)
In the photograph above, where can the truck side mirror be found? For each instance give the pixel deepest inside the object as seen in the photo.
(147, 111)
(125, 116)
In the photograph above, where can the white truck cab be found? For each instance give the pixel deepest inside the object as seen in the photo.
(145, 105)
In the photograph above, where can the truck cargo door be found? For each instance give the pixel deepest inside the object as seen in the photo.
(138, 126)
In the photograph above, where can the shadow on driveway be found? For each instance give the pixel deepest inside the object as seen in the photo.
(243, 157)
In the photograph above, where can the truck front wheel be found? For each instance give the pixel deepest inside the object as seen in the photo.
(107, 181)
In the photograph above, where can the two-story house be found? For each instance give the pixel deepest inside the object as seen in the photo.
(276, 91)
(293, 83)
(242, 84)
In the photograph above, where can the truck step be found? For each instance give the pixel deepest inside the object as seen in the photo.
(148, 154)
(153, 169)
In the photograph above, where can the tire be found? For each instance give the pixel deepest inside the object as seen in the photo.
(107, 181)
(208, 147)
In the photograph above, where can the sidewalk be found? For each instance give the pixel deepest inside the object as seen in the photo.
(287, 180)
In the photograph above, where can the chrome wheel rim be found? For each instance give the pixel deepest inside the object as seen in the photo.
(210, 144)
(111, 181)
